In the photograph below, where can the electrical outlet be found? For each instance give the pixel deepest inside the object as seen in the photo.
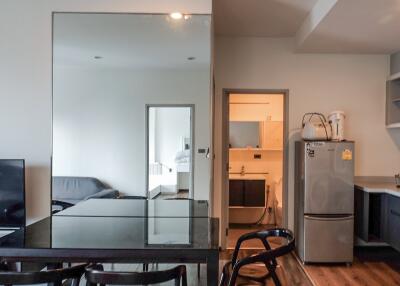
(257, 156)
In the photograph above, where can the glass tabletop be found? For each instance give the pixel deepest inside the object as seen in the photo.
(121, 224)
(73, 232)
(138, 208)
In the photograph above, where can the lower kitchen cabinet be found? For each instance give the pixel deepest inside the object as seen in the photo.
(254, 193)
(247, 193)
(236, 188)
(393, 222)
(377, 217)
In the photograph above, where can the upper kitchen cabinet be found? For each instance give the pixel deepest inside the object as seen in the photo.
(272, 135)
(252, 107)
(393, 93)
(260, 117)
(393, 101)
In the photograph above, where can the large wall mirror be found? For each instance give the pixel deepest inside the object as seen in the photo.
(111, 74)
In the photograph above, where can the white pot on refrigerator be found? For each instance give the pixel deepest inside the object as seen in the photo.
(336, 119)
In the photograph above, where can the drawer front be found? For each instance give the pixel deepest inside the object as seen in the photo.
(254, 193)
(236, 188)
(328, 239)
(393, 225)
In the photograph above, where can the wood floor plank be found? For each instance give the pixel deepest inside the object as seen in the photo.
(385, 273)
(358, 274)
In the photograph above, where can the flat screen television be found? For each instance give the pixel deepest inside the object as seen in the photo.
(12, 193)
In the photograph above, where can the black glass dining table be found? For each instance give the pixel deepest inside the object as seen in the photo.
(121, 231)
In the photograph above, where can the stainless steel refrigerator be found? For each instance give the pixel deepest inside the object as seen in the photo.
(324, 201)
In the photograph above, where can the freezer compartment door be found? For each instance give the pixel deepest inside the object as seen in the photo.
(328, 239)
(329, 178)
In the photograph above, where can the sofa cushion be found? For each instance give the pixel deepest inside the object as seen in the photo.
(75, 188)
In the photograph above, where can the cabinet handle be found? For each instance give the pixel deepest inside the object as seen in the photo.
(324, 218)
(394, 213)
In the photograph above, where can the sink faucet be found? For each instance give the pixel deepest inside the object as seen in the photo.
(242, 172)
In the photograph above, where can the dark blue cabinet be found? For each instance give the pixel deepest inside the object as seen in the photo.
(393, 222)
(247, 193)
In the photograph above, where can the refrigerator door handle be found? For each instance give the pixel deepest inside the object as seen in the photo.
(325, 218)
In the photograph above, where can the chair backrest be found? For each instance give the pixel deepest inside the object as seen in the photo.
(263, 237)
(96, 276)
(55, 276)
(75, 188)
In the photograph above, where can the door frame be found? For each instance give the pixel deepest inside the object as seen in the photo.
(192, 142)
(225, 155)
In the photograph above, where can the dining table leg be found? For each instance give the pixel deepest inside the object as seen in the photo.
(213, 268)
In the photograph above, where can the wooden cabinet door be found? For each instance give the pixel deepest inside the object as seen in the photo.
(272, 135)
(254, 193)
(236, 189)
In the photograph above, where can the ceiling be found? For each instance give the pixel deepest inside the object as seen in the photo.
(357, 26)
(134, 41)
(260, 18)
(318, 26)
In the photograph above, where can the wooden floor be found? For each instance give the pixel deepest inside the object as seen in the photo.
(379, 268)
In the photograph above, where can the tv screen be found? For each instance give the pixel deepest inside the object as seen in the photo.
(12, 193)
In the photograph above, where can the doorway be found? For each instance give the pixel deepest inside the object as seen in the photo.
(254, 132)
(169, 151)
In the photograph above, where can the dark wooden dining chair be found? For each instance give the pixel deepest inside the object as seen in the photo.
(95, 275)
(55, 276)
(230, 272)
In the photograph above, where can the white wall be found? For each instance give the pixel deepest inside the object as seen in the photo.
(99, 123)
(316, 82)
(25, 80)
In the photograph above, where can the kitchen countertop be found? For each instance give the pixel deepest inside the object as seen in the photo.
(252, 176)
(378, 186)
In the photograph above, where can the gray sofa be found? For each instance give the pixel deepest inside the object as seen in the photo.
(71, 190)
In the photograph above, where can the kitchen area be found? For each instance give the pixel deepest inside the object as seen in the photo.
(255, 162)
(344, 220)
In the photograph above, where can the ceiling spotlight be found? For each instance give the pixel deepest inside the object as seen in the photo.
(98, 57)
(191, 58)
(176, 15)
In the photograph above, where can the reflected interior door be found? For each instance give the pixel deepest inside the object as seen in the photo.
(170, 152)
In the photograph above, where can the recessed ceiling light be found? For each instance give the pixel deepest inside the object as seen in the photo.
(191, 58)
(176, 15)
(98, 57)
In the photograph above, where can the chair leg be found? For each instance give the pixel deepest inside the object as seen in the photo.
(271, 269)
(275, 278)
(145, 267)
(222, 281)
(198, 271)
(184, 279)
(234, 275)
